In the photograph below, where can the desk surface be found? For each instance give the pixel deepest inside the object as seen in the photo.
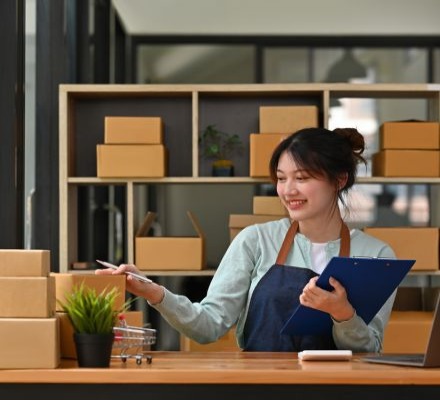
(229, 368)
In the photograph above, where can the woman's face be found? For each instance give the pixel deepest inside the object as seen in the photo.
(305, 197)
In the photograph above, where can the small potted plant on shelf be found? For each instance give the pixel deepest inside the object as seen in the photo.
(93, 316)
(220, 147)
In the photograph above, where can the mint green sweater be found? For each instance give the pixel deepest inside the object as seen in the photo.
(248, 258)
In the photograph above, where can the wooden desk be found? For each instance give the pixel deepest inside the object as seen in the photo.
(180, 375)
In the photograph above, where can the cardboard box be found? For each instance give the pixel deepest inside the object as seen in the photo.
(421, 244)
(133, 130)
(268, 205)
(15, 263)
(410, 135)
(406, 163)
(239, 221)
(407, 332)
(226, 343)
(67, 344)
(29, 343)
(131, 161)
(64, 283)
(261, 149)
(287, 119)
(27, 297)
(169, 253)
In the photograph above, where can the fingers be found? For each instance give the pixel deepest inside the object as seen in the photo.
(121, 269)
(310, 293)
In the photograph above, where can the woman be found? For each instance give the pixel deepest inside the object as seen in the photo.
(270, 268)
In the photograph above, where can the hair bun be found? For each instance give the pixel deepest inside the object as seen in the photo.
(355, 138)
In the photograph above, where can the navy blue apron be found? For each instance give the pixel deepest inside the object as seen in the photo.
(275, 298)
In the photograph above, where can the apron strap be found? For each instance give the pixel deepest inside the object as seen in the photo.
(344, 250)
(287, 243)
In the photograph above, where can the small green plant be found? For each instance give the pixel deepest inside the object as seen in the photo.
(92, 312)
(218, 145)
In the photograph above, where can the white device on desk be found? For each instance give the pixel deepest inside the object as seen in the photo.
(136, 276)
(325, 355)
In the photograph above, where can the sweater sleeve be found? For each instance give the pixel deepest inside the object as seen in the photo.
(226, 298)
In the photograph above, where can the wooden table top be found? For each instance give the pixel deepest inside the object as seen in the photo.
(229, 368)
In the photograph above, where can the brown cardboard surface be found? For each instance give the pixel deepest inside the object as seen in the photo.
(421, 244)
(287, 119)
(64, 283)
(261, 149)
(406, 163)
(268, 205)
(67, 345)
(27, 297)
(238, 221)
(29, 343)
(131, 161)
(133, 130)
(410, 135)
(226, 343)
(407, 332)
(170, 253)
(15, 262)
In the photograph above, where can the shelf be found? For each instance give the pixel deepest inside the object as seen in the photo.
(211, 272)
(213, 180)
(237, 179)
(204, 272)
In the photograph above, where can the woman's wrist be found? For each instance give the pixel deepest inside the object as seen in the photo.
(344, 315)
(155, 294)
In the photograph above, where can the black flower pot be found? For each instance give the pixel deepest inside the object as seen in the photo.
(93, 350)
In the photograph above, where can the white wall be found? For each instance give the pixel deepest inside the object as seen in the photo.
(280, 17)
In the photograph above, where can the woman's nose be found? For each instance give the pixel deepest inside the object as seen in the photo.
(290, 188)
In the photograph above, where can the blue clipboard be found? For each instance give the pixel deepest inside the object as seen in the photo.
(369, 282)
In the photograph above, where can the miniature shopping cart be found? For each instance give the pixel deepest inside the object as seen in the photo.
(133, 342)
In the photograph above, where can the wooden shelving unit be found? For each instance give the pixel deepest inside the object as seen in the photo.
(186, 109)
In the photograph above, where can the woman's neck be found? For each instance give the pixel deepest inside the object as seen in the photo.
(321, 231)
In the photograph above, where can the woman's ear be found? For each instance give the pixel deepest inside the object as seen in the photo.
(342, 181)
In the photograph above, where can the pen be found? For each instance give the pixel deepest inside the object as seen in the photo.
(136, 276)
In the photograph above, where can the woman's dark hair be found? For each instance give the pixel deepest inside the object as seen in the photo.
(323, 153)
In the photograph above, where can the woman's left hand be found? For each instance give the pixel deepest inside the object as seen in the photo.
(334, 303)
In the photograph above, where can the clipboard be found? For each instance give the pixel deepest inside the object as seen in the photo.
(369, 282)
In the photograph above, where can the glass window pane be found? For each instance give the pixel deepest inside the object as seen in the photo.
(195, 64)
(286, 65)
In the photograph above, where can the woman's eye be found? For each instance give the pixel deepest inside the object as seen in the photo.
(281, 179)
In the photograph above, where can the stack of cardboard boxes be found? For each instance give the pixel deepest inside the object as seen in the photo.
(28, 326)
(276, 123)
(408, 149)
(133, 148)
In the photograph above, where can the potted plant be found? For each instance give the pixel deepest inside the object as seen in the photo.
(93, 316)
(220, 147)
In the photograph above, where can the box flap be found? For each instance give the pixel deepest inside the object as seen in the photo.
(196, 224)
(149, 219)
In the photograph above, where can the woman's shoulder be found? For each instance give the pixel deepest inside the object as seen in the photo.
(265, 229)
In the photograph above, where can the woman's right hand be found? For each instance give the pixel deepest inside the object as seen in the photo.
(152, 292)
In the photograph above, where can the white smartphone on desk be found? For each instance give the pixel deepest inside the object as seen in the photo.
(136, 276)
(325, 355)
